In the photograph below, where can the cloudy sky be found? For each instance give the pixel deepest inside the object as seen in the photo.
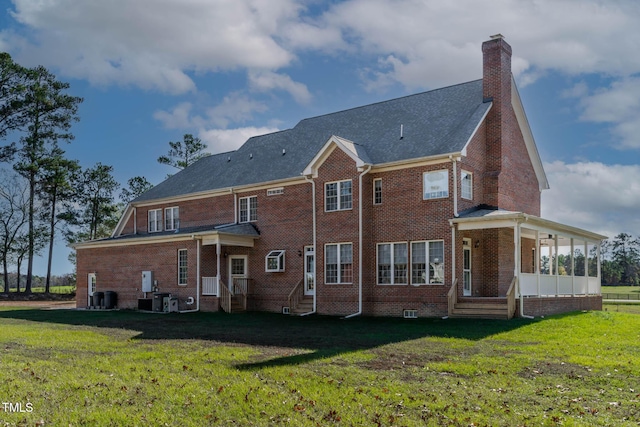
(153, 70)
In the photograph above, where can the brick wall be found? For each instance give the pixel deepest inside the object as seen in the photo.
(548, 306)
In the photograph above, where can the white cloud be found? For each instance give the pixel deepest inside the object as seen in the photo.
(150, 43)
(594, 196)
(222, 140)
(178, 118)
(268, 80)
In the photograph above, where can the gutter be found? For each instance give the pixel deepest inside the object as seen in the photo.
(313, 204)
(359, 312)
(198, 242)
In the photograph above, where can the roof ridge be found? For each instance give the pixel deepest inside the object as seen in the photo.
(384, 101)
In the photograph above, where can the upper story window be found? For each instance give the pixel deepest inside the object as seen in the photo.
(172, 218)
(377, 191)
(248, 209)
(467, 185)
(338, 196)
(155, 220)
(436, 184)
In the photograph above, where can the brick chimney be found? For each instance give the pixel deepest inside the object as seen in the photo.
(496, 87)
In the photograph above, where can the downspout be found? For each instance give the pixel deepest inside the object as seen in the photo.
(135, 220)
(455, 186)
(315, 250)
(198, 240)
(359, 243)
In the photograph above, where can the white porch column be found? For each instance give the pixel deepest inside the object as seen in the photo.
(218, 249)
(555, 264)
(537, 264)
(598, 265)
(453, 254)
(573, 271)
(517, 268)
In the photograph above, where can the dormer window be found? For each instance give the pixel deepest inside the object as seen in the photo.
(172, 218)
(155, 220)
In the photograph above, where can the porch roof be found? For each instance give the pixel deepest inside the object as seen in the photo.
(497, 218)
(225, 234)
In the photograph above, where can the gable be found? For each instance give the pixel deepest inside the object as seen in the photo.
(356, 152)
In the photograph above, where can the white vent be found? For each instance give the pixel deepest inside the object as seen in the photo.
(285, 310)
(410, 314)
(275, 191)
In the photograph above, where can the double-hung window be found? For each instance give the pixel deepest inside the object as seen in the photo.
(155, 220)
(377, 191)
(338, 196)
(182, 267)
(393, 264)
(248, 209)
(427, 262)
(172, 218)
(436, 184)
(338, 263)
(466, 185)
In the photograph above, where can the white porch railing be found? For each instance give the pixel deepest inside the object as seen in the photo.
(546, 285)
(210, 286)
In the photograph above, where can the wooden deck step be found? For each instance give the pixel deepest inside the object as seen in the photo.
(304, 306)
(481, 308)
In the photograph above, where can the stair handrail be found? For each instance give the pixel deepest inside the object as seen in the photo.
(452, 297)
(296, 295)
(511, 298)
(225, 297)
(241, 287)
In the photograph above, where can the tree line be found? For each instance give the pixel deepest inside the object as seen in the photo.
(44, 193)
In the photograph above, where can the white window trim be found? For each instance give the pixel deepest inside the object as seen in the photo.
(392, 271)
(339, 244)
(174, 221)
(427, 263)
(463, 172)
(374, 191)
(424, 184)
(279, 255)
(249, 218)
(339, 203)
(186, 266)
(158, 220)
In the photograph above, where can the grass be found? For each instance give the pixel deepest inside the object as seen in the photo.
(621, 289)
(127, 368)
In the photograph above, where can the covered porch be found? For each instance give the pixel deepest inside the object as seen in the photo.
(223, 266)
(512, 263)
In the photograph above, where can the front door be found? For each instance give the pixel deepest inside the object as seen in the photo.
(309, 271)
(237, 268)
(466, 267)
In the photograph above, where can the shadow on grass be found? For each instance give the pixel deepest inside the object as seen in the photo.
(323, 336)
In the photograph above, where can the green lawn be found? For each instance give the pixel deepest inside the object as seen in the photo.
(126, 368)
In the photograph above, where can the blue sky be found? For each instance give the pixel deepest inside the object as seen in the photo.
(224, 70)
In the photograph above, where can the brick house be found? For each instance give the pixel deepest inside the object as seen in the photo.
(425, 205)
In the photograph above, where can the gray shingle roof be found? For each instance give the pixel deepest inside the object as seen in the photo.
(436, 122)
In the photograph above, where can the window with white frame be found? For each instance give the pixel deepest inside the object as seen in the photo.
(338, 196)
(427, 262)
(248, 209)
(155, 220)
(274, 261)
(172, 218)
(467, 185)
(436, 184)
(182, 267)
(393, 264)
(377, 191)
(338, 261)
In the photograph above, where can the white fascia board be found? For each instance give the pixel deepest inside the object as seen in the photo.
(525, 128)
(334, 141)
(484, 116)
(123, 220)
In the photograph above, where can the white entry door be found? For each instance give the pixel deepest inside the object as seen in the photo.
(466, 268)
(237, 268)
(309, 271)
